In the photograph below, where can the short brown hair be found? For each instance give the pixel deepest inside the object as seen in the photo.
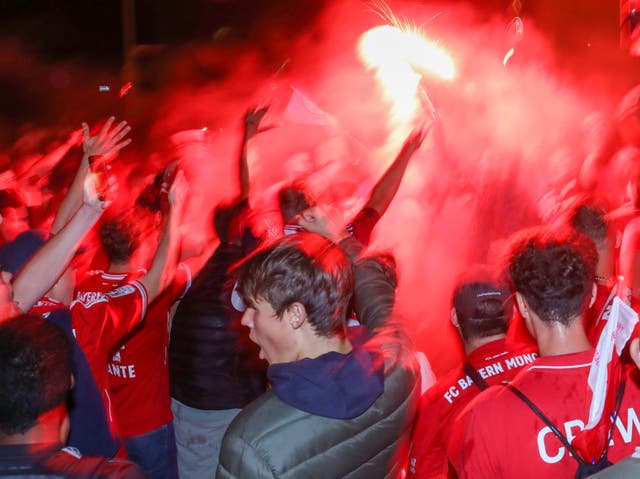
(305, 268)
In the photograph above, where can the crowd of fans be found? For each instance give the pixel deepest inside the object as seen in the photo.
(126, 353)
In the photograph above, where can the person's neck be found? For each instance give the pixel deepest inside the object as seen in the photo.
(605, 269)
(555, 338)
(475, 343)
(318, 346)
(121, 267)
(48, 429)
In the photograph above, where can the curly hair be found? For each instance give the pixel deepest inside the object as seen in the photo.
(304, 268)
(35, 371)
(554, 272)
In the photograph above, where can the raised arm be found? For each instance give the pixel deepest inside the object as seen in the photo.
(387, 186)
(252, 120)
(41, 165)
(166, 258)
(45, 267)
(107, 143)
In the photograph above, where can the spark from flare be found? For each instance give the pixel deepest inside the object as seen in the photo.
(507, 56)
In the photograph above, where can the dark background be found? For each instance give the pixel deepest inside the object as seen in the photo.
(91, 30)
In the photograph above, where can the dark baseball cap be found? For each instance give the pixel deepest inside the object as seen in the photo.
(468, 297)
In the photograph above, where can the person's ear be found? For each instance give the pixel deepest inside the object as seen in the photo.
(454, 318)
(526, 313)
(308, 215)
(522, 305)
(297, 315)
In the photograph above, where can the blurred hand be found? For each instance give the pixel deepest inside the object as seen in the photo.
(75, 137)
(178, 192)
(108, 142)
(252, 120)
(415, 139)
(90, 195)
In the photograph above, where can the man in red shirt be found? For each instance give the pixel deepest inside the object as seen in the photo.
(499, 435)
(135, 379)
(479, 314)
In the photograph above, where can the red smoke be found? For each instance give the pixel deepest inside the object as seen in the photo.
(509, 131)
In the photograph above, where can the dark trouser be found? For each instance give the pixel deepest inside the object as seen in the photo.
(155, 452)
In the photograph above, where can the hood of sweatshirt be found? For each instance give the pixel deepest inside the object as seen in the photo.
(334, 385)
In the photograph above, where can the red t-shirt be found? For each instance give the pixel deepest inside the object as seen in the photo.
(442, 403)
(139, 372)
(45, 305)
(105, 309)
(500, 436)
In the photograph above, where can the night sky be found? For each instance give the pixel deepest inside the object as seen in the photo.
(92, 31)
(89, 35)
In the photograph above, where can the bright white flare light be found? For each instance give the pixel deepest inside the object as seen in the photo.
(399, 57)
(389, 45)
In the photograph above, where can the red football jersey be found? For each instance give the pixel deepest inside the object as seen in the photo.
(500, 436)
(442, 403)
(105, 309)
(139, 371)
(45, 305)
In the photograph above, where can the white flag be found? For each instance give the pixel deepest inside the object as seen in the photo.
(301, 109)
(622, 320)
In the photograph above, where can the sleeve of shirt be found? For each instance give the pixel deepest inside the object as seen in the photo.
(125, 307)
(181, 281)
(362, 225)
(428, 455)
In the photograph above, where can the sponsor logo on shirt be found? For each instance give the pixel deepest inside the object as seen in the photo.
(122, 371)
(89, 298)
(118, 370)
(627, 425)
(124, 290)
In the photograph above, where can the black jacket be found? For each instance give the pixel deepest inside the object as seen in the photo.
(212, 363)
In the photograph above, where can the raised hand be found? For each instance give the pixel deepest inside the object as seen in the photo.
(252, 120)
(415, 139)
(98, 200)
(108, 141)
(178, 191)
(75, 137)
